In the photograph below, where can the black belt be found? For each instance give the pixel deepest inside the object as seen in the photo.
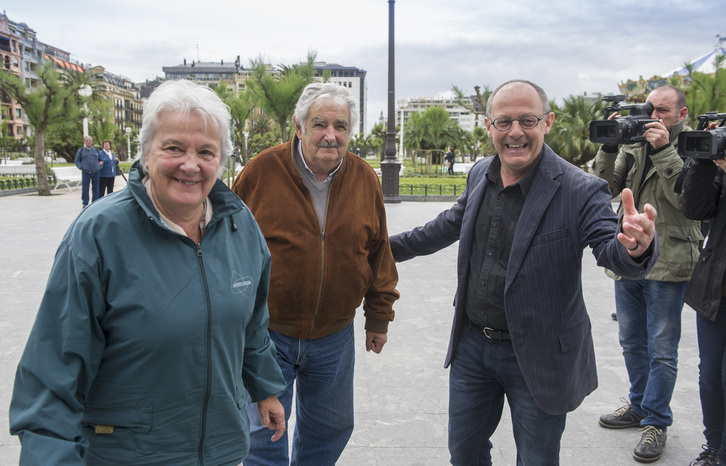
(494, 334)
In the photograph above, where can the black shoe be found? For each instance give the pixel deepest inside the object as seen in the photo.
(651, 445)
(707, 457)
(621, 419)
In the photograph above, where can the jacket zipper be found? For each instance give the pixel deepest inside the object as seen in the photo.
(319, 299)
(207, 387)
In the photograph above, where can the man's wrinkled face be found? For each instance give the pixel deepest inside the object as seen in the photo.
(325, 137)
(518, 147)
(665, 104)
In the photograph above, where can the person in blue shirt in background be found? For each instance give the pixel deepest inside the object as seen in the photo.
(109, 170)
(88, 160)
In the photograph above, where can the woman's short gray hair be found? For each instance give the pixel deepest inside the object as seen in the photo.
(185, 96)
(317, 93)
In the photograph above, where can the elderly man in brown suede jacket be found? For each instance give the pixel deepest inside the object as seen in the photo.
(322, 213)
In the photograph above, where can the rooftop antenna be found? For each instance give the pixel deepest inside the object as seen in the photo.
(198, 60)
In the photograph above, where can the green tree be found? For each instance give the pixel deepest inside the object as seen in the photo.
(706, 92)
(102, 125)
(570, 133)
(478, 106)
(378, 139)
(415, 135)
(64, 138)
(361, 142)
(262, 141)
(262, 124)
(7, 142)
(482, 144)
(278, 94)
(54, 99)
(241, 108)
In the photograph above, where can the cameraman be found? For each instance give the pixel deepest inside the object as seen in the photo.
(704, 189)
(649, 310)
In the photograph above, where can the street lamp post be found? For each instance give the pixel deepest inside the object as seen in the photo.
(402, 104)
(390, 166)
(128, 142)
(85, 92)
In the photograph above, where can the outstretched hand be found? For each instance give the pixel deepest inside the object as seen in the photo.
(638, 229)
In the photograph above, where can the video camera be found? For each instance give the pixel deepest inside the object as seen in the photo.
(704, 143)
(626, 129)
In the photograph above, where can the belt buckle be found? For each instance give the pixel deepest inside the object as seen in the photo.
(487, 331)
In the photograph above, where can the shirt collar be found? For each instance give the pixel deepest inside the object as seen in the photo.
(525, 183)
(305, 165)
(203, 221)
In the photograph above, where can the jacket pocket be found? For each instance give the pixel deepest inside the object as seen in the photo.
(136, 420)
(572, 339)
(550, 236)
(681, 250)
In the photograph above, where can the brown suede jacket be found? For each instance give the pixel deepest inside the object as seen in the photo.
(317, 281)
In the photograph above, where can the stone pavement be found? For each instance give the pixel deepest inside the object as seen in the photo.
(401, 394)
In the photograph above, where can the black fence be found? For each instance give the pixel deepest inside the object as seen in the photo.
(20, 182)
(431, 189)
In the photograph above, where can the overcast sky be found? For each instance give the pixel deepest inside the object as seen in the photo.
(567, 46)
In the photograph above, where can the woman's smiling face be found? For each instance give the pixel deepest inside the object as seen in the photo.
(183, 163)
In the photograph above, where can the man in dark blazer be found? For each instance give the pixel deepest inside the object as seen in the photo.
(520, 324)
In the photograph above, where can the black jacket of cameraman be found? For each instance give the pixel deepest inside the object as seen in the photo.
(704, 192)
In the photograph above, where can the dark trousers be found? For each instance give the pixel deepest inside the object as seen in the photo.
(106, 185)
(712, 378)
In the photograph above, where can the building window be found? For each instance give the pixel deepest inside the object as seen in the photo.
(18, 113)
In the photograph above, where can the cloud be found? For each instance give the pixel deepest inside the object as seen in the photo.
(566, 46)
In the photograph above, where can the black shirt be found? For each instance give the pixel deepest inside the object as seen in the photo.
(494, 230)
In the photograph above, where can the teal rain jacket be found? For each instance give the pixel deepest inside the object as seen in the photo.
(145, 342)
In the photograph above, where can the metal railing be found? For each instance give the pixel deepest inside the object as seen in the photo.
(431, 189)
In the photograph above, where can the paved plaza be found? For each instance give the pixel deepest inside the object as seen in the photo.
(401, 394)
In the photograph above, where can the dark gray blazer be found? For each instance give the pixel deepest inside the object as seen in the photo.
(565, 210)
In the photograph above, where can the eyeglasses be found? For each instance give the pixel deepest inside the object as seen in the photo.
(526, 122)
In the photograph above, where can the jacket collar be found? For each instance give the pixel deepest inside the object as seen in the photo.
(676, 130)
(292, 165)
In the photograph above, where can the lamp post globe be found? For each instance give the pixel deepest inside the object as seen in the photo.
(85, 91)
(128, 141)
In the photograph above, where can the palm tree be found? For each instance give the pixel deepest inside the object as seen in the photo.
(479, 104)
(55, 99)
(415, 134)
(706, 92)
(378, 139)
(241, 107)
(481, 143)
(102, 125)
(570, 133)
(278, 93)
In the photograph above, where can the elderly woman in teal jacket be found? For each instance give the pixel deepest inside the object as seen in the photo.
(141, 353)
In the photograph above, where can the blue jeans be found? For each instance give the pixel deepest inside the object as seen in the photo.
(322, 370)
(712, 378)
(649, 322)
(93, 179)
(482, 373)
